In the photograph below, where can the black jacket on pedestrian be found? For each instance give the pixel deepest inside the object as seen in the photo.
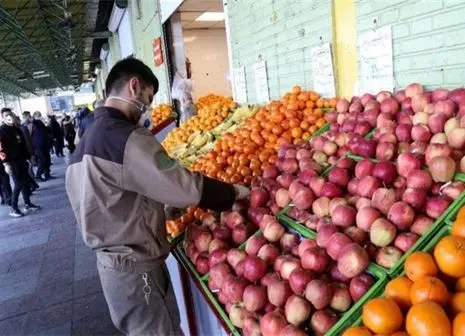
(13, 146)
(57, 133)
(40, 135)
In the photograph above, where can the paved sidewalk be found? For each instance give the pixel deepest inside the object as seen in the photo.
(48, 277)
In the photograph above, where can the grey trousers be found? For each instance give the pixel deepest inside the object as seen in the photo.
(141, 303)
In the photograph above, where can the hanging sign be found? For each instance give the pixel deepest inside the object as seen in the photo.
(261, 82)
(240, 85)
(322, 68)
(375, 61)
(157, 52)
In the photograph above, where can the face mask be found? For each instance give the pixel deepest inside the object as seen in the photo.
(140, 106)
(9, 120)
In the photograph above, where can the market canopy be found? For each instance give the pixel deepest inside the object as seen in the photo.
(47, 44)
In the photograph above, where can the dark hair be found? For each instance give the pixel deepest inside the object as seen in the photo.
(6, 109)
(26, 113)
(127, 68)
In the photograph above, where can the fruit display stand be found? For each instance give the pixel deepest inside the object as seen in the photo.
(345, 319)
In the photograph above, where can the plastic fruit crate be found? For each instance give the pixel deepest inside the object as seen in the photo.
(450, 213)
(428, 247)
(208, 293)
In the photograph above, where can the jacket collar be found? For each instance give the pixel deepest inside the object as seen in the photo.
(110, 112)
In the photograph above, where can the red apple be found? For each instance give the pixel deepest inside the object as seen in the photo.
(254, 298)
(278, 292)
(405, 241)
(299, 279)
(382, 232)
(360, 285)
(352, 260)
(319, 293)
(254, 268)
(297, 310)
(388, 256)
(269, 253)
(315, 259)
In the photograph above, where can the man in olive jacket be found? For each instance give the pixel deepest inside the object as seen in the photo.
(118, 181)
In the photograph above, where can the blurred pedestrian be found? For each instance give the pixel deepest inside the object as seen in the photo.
(69, 132)
(26, 127)
(41, 144)
(14, 155)
(57, 136)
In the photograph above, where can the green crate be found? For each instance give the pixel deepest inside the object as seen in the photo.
(210, 296)
(438, 224)
(450, 212)
(355, 311)
(428, 247)
(301, 229)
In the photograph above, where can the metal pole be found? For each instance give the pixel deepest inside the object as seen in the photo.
(19, 102)
(3, 99)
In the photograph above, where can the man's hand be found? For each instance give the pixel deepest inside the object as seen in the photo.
(8, 168)
(33, 160)
(242, 192)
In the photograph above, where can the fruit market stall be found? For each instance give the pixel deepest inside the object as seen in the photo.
(334, 217)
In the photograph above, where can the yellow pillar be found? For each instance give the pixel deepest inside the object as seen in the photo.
(345, 47)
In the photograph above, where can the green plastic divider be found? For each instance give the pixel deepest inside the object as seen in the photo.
(371, 133)
(355, 311)
(303, 230)
(321, 130)
(444, 231)
(210, 296)
(438, 224)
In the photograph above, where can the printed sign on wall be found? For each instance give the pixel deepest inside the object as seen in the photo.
(322, 68)
(375, 61)
(261, 82)
(240, 85)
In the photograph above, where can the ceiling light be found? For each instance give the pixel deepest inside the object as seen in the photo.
(41, 76)
(211, 16)
(115, 18)
(38, 72)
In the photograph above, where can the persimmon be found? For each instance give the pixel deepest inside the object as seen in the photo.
(310, 104)
(427, 319)
(458, 325)
(382, 315)
(296, 90)
(428, 288)
(420, 264)
(449, 254)
(296, 132)
(458, 227)
(398, 290)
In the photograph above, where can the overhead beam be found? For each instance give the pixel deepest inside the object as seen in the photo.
(28, 75)
(19, 86)
(12, 24)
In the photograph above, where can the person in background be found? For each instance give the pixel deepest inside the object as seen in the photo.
(26, 128)
(57, 136)
(14, 155)
(5, 185)
(85, 117)
(120, 210)
(41, 145)
(69, 132)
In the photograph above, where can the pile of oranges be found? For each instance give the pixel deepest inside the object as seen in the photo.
(249, 149)
(211, 111)
(175, 227)
(429, 299)
(161, 112)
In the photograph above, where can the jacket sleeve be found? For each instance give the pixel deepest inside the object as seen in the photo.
(28, 139)
(148, 170)
(3, 150)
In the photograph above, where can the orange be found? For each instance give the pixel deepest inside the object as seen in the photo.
(458, 227)
(449, 254)
(429, 288)
(419, 264)
(382, 315)
(461, 212)
(458, 303)
(357, 331)
(458, 326)
(460, 285)
(398, 290)
(427, 319)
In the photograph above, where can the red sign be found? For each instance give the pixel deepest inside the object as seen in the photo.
(157, 52)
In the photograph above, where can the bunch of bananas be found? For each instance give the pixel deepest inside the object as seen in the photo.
(199, 143)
